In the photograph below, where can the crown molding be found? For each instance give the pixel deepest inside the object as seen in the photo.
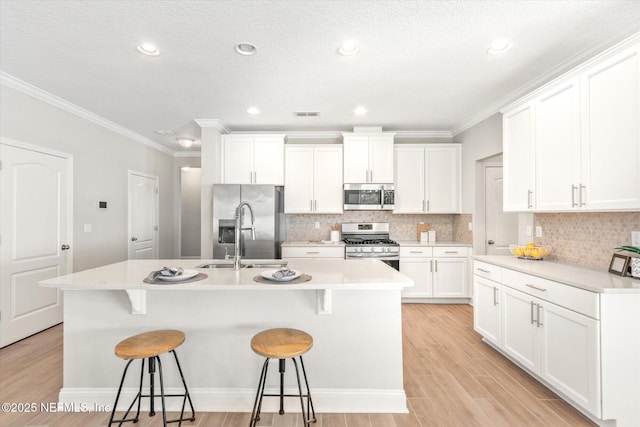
(415, 134)
(44, 96)
(212, 123)
(314, 134)
(187, 154)
(621, 39)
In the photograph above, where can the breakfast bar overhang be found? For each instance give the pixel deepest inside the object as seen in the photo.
(351, 308)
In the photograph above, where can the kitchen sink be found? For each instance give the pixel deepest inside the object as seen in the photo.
(227, 264)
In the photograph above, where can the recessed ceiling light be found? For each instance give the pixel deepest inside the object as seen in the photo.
(253, 110)
(361, 110)
(148, 49)
(246, 49)
(349, 48)
(499, 46)
(185, 142)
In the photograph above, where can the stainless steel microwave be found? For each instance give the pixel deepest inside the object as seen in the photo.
(369, 197)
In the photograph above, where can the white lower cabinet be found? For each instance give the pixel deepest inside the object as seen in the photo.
(438, 272)
(487, 315)
(559, 345)
(336, 252)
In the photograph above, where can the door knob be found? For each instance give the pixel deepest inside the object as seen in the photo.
(133, 239)
(491, 242)
(65, 247)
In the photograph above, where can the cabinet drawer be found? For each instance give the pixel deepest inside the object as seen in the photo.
(488, 271)
(416, 252)
(454, 251)
(312, 252)
(578, 300)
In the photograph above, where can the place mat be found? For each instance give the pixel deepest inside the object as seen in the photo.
(195, 278)
(303, 278)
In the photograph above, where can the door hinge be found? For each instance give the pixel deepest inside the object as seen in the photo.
(155, 228)
(157, 191)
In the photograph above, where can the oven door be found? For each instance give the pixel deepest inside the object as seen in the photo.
(391, 260)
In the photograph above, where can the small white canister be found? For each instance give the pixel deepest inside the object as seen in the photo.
(335, 236)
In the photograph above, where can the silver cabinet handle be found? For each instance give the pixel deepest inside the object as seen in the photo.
(431, 266)
(415, 252)
(529, 194)
(538, 315)
(532, 320)
(133, 239)
(450, 252)
(495, 296)
(483, 270)
(580, 195)
(428, 208)
(424, 207)
(573, 196)
(436, 265)
(312, 253)
(65, 247)
(315, 205)
(255, 177)
(491, 242)
(536, 288)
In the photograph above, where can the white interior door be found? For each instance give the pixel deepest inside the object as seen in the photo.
(35, 206)
(143, 216)
(501, 228)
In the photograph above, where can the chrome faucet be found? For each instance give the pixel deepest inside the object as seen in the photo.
(238, 232)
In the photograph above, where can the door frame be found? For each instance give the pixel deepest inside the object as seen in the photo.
(69, 158)
(156, 243)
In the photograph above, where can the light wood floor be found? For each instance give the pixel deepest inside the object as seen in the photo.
(451, 379)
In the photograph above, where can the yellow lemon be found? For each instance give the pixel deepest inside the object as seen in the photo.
(530, 245)
(518, 251)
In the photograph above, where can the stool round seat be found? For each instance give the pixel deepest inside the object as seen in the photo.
(281, 343)
(149, 344)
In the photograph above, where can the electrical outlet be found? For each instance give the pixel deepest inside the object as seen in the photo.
(538, 231)
(470, 227)
(88, 228)
(529, 231)
(635, 238)
(317, 224)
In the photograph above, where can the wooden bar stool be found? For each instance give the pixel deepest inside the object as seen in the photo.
(149, 345)
(282, 344)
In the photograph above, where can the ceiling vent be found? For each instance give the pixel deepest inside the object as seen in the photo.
(307, 113)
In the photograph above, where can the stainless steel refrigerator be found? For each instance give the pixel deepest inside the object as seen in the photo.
(267, 202)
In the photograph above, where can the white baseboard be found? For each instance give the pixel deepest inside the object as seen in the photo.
(240, 400)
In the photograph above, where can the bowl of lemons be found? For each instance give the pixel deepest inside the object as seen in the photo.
(530, 251)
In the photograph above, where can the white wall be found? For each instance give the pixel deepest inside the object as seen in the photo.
(190, 213)
(101, 161)
(479, 142)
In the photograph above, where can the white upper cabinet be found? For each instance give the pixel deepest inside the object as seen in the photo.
(585, 131)
(558, 147)
(313, 179)
(611, 133)
(518, 158)
(427, 178)
(368, 158)
(253, 159)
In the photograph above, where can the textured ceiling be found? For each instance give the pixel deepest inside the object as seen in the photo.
(422, 65)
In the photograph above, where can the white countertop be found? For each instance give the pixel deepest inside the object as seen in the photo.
(311, 243)
(326, 274)
(436, 244)
(579, 277)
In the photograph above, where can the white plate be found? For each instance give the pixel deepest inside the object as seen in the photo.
(186, 275)
(268, 274)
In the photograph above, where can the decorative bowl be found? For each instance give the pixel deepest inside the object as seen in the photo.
(530, 252)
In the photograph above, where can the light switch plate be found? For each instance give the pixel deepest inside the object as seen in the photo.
(88, 228)
(538, 231)
(470, 227)
(317, 224)
(635, 238)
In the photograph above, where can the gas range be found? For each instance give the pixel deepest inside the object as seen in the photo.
(369, 240)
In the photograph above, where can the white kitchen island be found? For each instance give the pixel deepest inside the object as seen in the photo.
(352, 308)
